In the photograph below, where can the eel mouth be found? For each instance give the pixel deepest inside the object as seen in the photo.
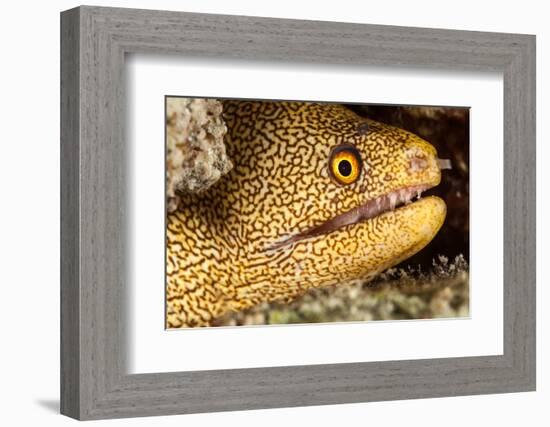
(370, 209)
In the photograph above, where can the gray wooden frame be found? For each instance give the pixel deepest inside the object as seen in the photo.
(94, 41)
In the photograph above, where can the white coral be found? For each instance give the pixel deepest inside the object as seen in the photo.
(195, 151)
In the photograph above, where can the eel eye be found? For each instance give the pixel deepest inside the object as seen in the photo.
(344, 164)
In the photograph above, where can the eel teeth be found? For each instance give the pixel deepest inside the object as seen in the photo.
(370, 209)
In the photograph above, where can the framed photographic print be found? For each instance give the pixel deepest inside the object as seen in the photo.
(261, 213)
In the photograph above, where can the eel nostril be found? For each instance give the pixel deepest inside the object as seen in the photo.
(418, 162)
(444, 164)
(363, 128)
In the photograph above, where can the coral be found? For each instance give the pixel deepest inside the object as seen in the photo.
(195, 151)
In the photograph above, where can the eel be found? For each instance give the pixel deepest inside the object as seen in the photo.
(318, 196)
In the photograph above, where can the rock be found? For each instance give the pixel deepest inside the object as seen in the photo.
(195, 151)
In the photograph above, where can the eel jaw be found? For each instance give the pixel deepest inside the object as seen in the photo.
(366, 211)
